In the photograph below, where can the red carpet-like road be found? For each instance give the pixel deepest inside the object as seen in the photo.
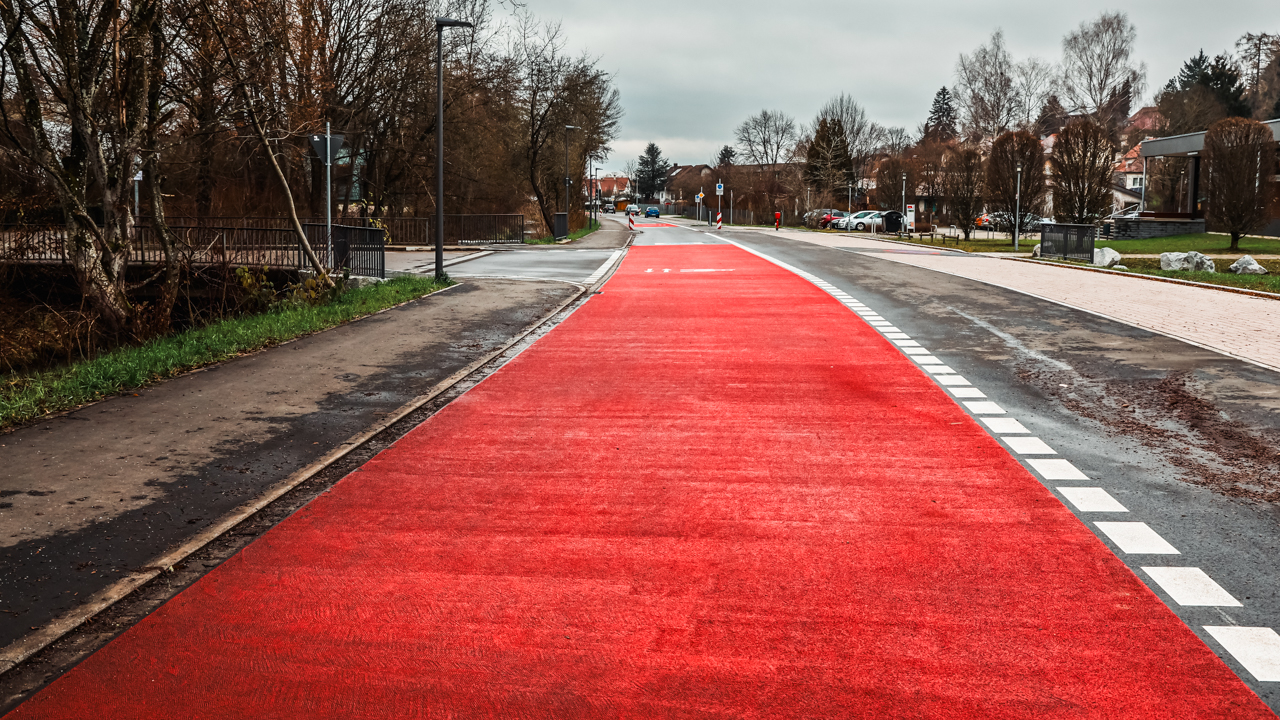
(704, 495)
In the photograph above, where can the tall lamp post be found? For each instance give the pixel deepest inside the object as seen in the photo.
(568, 181)
(850, 198)
(904, 199)
(441, 24)
(1017, 210)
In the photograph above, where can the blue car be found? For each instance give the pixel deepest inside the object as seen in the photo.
(651, 212)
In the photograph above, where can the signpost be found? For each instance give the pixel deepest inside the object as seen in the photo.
(911, 218)
(719, 203)
(326, 146)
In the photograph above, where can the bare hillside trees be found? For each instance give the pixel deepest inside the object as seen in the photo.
(215, 100)
(995, 93)
(964, 186)
(1099, 73)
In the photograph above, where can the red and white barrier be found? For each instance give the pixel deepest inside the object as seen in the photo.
(631, 221)
(719, 224)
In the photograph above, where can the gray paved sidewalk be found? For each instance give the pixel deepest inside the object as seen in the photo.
(101, 491)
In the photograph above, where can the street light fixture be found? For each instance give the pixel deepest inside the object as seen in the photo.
(1017, 210)
(441, 24)
(904, 198)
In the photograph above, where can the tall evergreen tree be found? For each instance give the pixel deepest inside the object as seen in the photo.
(828, 163)
(1053, 117)
(651, 172)
(941, 124)
(726, 157)
(1192, 72)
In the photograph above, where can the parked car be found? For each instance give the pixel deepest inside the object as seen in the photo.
(651, 212)
(829, 216)
(633, 209)
(865, 220)
(814, 217)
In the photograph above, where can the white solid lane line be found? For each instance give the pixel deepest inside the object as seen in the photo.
(1028, 445)
(984, 408)
(1057, 469)
(1256, 648)
(1004, 426)
(967, 392)
(1136, 538)
(1191, 586)
(1091, 499)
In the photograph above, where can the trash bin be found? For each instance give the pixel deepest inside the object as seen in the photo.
(562, 226)
(894, 222)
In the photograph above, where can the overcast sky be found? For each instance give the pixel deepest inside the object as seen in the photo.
(689, 73)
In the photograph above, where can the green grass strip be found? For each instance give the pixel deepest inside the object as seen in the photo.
(26, 397)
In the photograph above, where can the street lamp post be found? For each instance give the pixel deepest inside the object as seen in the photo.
(850, 198)
(904, 198)
(568, 182)
(1017, 210)
(441, 24)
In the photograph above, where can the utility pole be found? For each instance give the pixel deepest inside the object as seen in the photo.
(328, 189)
(441, 24)
(568, 181)
(1017, 210)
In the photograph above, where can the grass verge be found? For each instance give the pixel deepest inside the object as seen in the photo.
(1200, 242)
(1151, 266)
(575, 235)
(26, 397)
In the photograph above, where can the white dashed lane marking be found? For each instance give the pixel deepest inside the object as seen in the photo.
(939, 369)
(1004, 426)
(1256, 648)
(1136, 538)
(1028, 445)
(967, 392)
(1057, 469)
(1091, 499)
(952, 380)
(1191, 586)
(984, 408)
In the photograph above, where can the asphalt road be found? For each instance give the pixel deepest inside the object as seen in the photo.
(1172, 430)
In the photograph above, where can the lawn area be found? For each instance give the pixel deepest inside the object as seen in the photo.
(1200, 242)
(576, 234)
(25, 397)
(1151, 266)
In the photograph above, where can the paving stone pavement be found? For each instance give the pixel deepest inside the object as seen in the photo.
(1242, 326)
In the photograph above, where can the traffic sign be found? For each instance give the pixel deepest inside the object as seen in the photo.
(335, 144)
(719, 188)
(700, 196)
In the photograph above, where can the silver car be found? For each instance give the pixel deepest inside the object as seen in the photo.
(865, 220)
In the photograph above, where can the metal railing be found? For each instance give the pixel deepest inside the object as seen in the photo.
(1069, 242)
(458, 230)
(254, 242)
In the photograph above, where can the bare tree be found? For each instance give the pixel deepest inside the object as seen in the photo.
(895, 141)
(84, 76)
(862, 136)
(964, 187)
(1240, 156)
(768, 138)
(1082, 165)
(1007, 152)
(1257, 51)
(985, 89)
(1098, 68)
(1034, 83)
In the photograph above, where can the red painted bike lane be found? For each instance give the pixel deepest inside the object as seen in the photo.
(711, 494)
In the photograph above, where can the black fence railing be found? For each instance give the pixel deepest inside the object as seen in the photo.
(1068, 242)
(236, 242)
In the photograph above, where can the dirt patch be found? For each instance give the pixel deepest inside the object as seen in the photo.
(1170, 415)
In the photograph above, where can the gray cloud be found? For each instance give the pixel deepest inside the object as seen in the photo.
(689, 73)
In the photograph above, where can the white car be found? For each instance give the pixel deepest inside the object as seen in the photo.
(865, 220)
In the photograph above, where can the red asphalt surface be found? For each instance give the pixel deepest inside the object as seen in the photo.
(703, 495)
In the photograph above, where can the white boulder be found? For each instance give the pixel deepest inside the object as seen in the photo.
(1105, 257)
(1247, 266)
(1119, 267)
(1035, 251)
(1191, 261)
